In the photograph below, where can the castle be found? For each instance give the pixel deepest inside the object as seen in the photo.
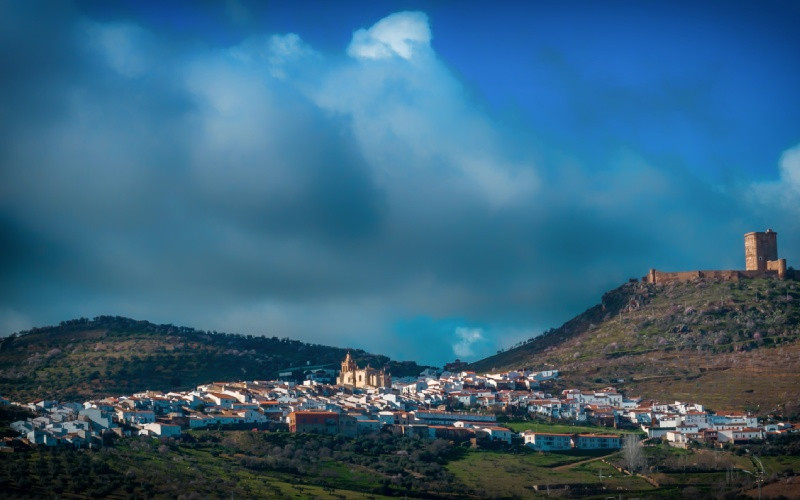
(760, 259)
(351, 374)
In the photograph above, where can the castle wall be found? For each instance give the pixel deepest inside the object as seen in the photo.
(655, 276)
(665, 277)
(761, 260)
(778, 266)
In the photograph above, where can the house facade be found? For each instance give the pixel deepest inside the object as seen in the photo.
(318, 422)
(598, 441)
(547, 441)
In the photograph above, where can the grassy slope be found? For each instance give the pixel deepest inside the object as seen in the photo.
(126, 473)
(502, 475)
(542, 426)
(244, 464)
(236, 464)
(112, 355)
(724, 344)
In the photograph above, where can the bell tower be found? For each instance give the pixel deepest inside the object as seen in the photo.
(348, 365)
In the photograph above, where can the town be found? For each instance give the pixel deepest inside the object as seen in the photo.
(455, 405)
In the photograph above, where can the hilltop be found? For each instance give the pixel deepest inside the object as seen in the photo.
(726, 344)
(111, 355)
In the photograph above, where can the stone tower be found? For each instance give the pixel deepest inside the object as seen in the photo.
(760, 248)
(348, 365)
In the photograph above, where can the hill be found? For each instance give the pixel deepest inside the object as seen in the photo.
(729, 345)
(112, 355)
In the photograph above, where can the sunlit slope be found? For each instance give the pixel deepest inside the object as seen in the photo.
(725, 344)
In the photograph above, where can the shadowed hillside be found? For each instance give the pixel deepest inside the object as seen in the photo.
(725, 344)
(114, 355)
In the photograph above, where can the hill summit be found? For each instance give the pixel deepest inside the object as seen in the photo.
(111, 355)
(726, 344)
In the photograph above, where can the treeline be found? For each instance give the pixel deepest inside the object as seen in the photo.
(775, 446)
(396, 464)
(56, 472)
(114, 355)
(237, 463)
(120, 326)
(9, 414)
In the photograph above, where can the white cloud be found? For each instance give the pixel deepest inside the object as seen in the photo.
(790, 168)
(124, 46)
(785, 190)
(417, 122)
(285, 49)
(467, 338)
(277, 51)
(400, 34)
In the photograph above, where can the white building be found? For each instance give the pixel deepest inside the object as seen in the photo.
(163, 430)
(547, 441)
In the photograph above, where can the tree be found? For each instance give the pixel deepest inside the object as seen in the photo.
(632, 451)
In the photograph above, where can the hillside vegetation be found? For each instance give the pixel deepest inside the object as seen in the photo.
(113, 355)
(254, 464)
(729, 345)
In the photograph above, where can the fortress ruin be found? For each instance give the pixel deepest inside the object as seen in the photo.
(760, 260)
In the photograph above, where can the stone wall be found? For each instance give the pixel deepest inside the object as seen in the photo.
(778, 266)
(655, 276)
(761, 260)
(760, 248)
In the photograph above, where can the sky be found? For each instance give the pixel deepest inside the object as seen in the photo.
(425, 180)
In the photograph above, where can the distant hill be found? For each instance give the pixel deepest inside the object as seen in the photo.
(729, 345)
(112, 355)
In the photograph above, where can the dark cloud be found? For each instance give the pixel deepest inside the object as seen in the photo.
(254, 184)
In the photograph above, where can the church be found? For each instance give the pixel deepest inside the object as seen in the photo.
(352, 375)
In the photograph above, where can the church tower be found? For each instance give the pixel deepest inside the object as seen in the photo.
(348, 365)
(352, 375)
(347, 376)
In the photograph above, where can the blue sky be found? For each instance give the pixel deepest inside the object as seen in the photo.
(422, 179)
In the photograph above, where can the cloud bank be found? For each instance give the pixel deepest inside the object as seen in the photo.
(397, 35)
(366, 197)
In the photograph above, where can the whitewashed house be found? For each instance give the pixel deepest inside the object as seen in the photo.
(547, 441)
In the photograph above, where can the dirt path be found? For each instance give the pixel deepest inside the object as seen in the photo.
(573, 464)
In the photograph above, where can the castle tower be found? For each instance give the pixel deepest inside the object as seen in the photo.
(760, 248)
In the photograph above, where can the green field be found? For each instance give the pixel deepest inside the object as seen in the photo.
(542, 426)
(781, 463)
(494, 474)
